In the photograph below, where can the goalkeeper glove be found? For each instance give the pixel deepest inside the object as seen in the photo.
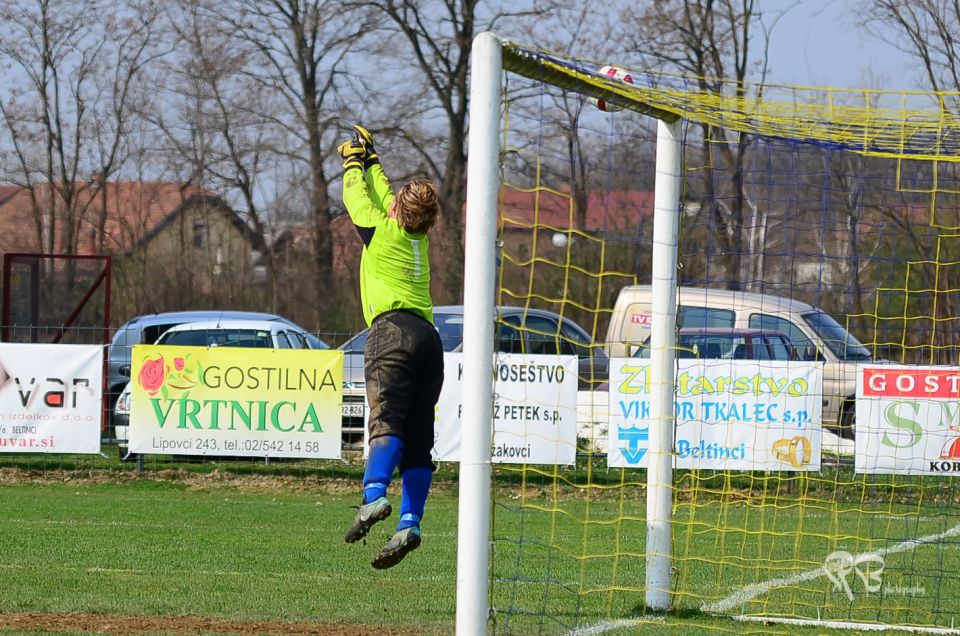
(364, 137)
(353, 154)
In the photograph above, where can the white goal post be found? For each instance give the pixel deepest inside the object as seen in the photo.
(473, 523)
(483, 183)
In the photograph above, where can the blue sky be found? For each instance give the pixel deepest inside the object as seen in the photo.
(819, 43)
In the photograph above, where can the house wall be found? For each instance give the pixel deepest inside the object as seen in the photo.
(200, 259)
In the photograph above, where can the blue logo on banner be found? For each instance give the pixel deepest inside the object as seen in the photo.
(637, 441)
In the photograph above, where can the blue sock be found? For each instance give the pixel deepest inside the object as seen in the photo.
(416, 486)
(382, 460)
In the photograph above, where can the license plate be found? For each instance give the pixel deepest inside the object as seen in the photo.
(352, 410)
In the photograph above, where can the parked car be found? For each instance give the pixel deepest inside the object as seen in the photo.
(707, 343)
(263, 334)
(519, 330)
(815, 334)
(147, 328)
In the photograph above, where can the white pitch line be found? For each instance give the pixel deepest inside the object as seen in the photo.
(201, 573)
(74, 522)
(609, 626)
(863, 627)
(871, 516)
(750, 592)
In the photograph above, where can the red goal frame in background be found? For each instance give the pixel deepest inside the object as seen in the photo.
(54, 330)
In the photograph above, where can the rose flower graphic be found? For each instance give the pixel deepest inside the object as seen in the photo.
(153, 372)
(156, 375)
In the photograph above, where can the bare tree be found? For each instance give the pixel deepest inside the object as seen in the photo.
(302, 48)
(714, 41)
(925, 29)
(579, 30)
(928, 30)
(72, 69)
(558, 139)
(214, 120)
(264, 79)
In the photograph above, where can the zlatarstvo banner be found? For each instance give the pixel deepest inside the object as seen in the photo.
(730, 414)
(534, 410)
(51, 398)
(236, 402)
(908, 420)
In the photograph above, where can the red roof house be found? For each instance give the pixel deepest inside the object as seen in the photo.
(103, 218)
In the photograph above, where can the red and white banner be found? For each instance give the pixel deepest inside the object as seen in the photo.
(908, 420)
(50, 398)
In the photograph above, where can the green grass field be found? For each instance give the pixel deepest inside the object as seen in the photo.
(168, 549)
(722, 554)
(266, 553)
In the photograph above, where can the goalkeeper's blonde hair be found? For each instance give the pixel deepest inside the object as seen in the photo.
(417, 206)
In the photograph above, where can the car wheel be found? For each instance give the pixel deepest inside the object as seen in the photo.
(848, 420)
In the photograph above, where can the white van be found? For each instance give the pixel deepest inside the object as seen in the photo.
(814, 333)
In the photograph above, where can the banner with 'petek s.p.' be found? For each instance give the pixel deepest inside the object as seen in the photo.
(51, 397)
(730, 414)
(236, 402)
(534, 410)
(908, 420)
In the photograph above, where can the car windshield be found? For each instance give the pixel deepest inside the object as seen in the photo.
(255, 338)
(780, 348)
(840, 341)
(355, 344)
(314, 342)
(724, 346)
(700, 346)
(449, 326)
(708, 346)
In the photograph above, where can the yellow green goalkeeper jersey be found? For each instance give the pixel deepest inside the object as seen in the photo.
(394, 264)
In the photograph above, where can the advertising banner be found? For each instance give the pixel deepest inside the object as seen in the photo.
(231, 401)
(908, 420)
(730, 414)
(51, 396)
(534, 410)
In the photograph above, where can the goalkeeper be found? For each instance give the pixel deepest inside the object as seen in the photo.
(403, 355)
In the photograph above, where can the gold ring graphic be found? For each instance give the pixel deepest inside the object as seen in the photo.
(795, 451)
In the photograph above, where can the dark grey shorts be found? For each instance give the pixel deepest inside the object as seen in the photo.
(403, 369)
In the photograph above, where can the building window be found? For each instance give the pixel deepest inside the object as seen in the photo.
(201, 234)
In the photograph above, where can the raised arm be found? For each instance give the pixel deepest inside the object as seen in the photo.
(365, 212)
(377, 183)
(363, 209)
(381, 192)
